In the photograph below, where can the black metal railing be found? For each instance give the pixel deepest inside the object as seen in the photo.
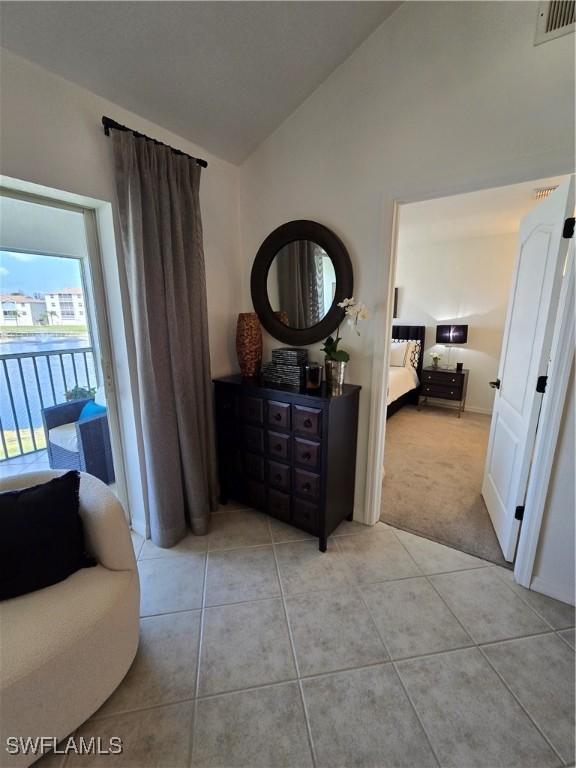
(31, 381)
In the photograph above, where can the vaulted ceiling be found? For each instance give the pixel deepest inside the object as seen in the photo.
(222, 74)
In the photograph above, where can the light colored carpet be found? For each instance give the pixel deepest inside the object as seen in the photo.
(433, 468)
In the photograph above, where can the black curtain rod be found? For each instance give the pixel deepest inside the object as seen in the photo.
(108, 123)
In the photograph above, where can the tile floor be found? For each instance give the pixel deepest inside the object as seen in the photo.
(28, 462)
(387, 650)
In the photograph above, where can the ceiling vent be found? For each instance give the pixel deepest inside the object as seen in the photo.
(555, 18)
(542, 192)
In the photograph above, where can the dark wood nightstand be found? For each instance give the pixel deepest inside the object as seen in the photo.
(445, 384)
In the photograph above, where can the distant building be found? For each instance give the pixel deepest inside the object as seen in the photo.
(17, 309)
(65, 307)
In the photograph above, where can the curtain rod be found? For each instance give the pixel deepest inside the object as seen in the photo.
(108, 123)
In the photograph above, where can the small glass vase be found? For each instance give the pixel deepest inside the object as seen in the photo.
(435, 362)
(335, 374)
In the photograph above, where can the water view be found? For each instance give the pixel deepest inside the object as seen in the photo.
(46, 353)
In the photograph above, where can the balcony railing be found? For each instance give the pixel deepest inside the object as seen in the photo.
(31, 381)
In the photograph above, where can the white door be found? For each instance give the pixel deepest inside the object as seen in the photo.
(524, 358)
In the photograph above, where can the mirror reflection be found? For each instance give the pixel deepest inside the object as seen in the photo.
(301, 284)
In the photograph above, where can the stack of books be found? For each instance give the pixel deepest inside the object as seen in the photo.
(288, 367)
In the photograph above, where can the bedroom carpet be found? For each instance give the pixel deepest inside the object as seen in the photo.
(433, 468)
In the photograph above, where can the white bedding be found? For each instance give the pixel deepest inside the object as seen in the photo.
(400, 381)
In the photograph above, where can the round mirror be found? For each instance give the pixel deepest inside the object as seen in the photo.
(301, 272)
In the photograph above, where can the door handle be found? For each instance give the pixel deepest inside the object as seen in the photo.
(495, 384)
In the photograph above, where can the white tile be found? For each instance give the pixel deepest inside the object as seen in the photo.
(245, 645)
(486, 606)
(260, 728)
(377, 557)
(237, 575)
(303, 568)
(432, 557)
(333, 630)
(189, 544)
(169, 584)
(412, 619)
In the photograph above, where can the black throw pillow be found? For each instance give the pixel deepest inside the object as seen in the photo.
(41, 537)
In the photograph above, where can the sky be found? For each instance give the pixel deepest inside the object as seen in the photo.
(30, 273)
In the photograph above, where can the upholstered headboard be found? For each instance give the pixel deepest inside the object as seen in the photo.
(415, 333)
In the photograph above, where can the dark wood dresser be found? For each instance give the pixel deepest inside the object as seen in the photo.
(288, 454)
(445, 384)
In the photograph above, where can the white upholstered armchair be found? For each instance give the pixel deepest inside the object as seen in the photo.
(65, 648)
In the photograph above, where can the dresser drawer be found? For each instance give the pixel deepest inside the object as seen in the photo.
(279, 476)
(306, 484)
(305, 515)
(278, 445)
(306, 453)
(279, 505)
(278, 415)
(256, 495)
(447, 393)
(307, 421)
(254, 438)
(254, 466)
(444, 378)
(253, 409)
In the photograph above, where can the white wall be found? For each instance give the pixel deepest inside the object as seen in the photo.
(52, 136)
(554, 567)
(442, 98)
(459, 281)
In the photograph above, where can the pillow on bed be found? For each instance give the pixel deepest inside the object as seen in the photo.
(398, 353)
(410, 350)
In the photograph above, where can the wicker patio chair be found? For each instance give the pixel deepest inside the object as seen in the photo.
(93, 452)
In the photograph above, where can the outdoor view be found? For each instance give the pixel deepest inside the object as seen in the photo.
(45, 347)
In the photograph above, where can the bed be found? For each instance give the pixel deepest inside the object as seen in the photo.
(404, 381)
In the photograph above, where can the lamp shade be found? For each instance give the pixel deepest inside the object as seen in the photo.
(451, 334)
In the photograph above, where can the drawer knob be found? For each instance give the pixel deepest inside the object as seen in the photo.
(277, 447)
(278, 478)
(307, 456)
(306, 487)
(278, 416)
(308, 423)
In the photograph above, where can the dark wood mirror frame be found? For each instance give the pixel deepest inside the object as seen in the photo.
(335, 249)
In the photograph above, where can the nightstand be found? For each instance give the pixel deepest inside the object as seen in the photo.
(445, 384)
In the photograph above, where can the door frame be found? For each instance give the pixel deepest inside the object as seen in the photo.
(97, 311)
(381, 354)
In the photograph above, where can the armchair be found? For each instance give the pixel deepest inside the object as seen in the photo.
(65, 648)
(83, 445)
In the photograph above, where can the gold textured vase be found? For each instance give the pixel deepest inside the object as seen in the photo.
(249, 344)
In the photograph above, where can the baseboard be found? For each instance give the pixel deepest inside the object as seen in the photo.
(552, 590)
(483, 411)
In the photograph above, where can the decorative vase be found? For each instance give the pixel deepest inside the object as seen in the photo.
(335, 373)
(249, 344)
(434, 362)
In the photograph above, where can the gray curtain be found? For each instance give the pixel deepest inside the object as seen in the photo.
(161, 229)
(301, 283)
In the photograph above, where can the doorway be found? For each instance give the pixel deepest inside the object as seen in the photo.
(56, 408)
(455, 261)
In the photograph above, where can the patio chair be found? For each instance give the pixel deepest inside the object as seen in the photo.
(73, 444)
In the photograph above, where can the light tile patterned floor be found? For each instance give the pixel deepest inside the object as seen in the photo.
(28, 462)
(387, 650)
